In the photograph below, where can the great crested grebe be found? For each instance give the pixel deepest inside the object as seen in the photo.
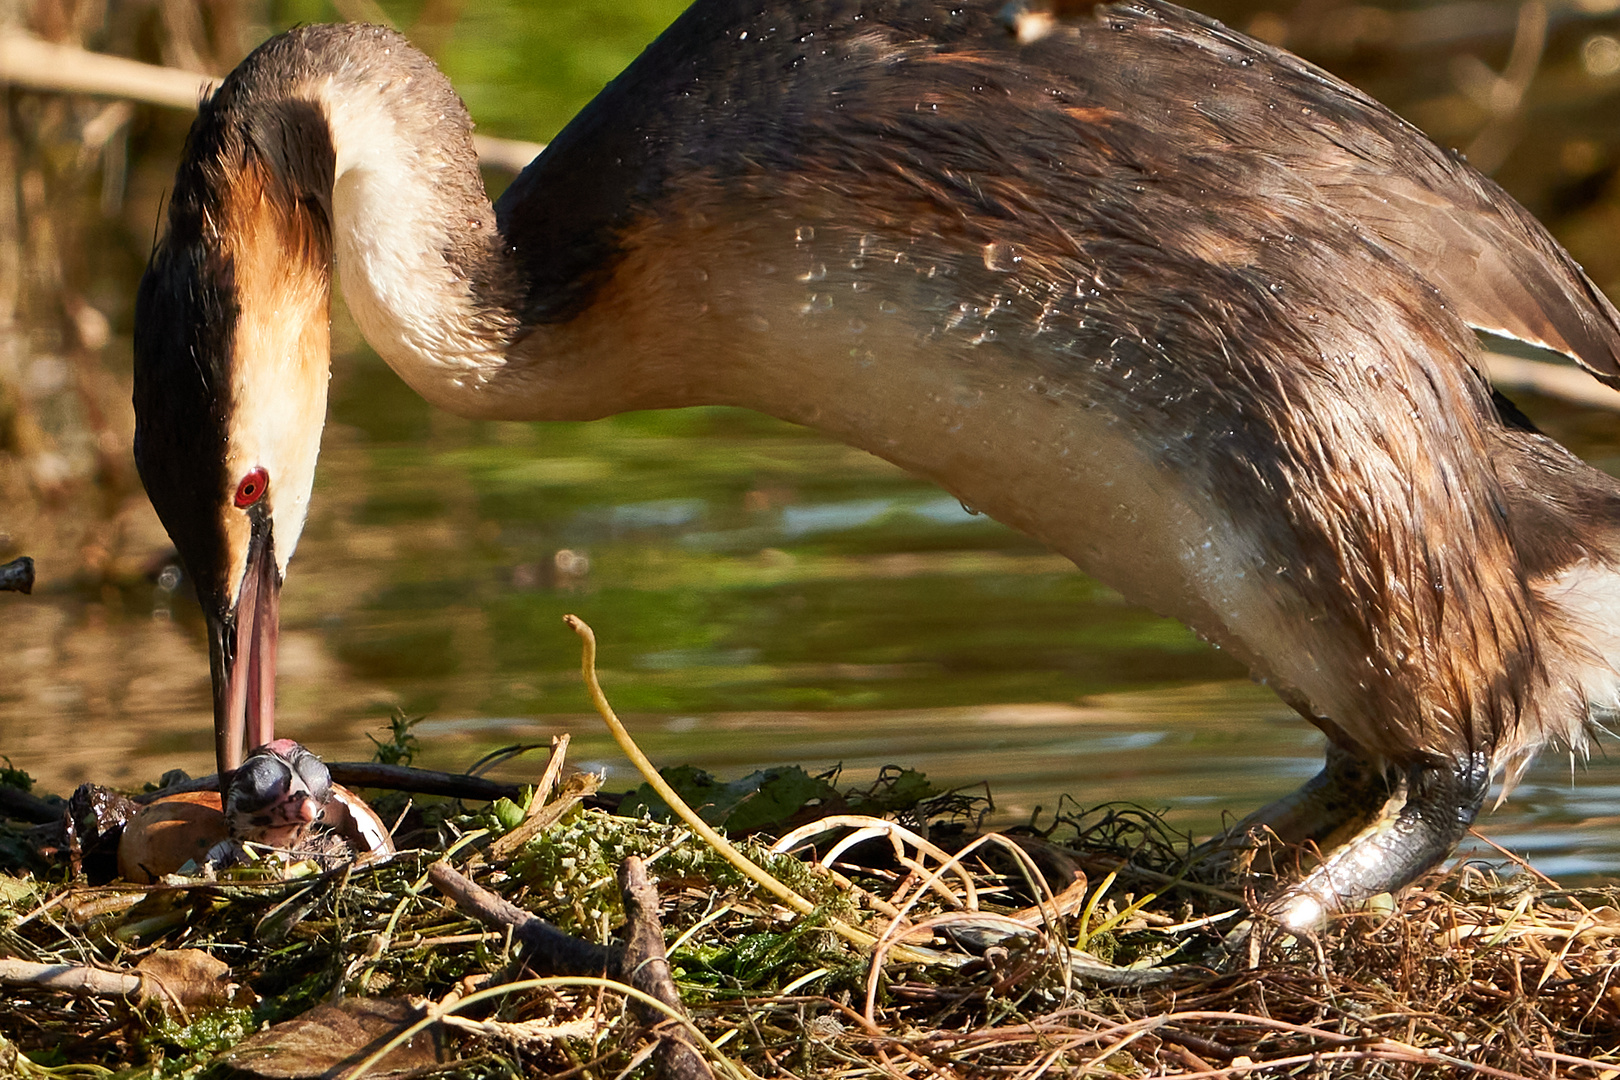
(1174, 302)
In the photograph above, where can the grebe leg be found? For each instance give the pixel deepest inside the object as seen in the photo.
(1429, 812)
(1325, 811)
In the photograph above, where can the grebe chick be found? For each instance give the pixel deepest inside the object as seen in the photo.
(1174, 302)
(282, 800)
(277, 794)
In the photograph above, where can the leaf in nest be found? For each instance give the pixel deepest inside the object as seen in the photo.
(896, 789)
(330, 1040)
(188, 979)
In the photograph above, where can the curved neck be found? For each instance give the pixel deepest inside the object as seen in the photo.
(426, 274)
(357, 127)
(423, 268)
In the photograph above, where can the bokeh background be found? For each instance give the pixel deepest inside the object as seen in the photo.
(762, 595)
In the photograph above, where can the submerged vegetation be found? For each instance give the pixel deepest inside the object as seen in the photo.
(883, 936)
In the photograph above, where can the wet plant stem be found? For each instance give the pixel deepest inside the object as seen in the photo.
(746, 866)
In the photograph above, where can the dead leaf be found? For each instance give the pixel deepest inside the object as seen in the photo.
(330, 1040)
(187, 979)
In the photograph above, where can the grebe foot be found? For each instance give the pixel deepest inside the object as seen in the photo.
(1326, 811)
(1429, 812)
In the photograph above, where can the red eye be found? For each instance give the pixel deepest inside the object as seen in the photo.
(252, 487)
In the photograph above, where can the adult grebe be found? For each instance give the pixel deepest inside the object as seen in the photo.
(1172, 301)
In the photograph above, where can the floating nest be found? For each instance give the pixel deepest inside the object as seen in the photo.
(852, 933)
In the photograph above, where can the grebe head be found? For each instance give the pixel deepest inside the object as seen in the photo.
(277, 794)
(231, 362)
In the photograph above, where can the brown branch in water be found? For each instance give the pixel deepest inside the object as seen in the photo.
(1562, 381)
(41, 65)
(370, 774)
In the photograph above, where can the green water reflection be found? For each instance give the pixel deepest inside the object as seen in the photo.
(730, 561)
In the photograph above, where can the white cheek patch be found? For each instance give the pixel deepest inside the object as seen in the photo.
(238, 534)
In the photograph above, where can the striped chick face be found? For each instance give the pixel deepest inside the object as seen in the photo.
(277, 795)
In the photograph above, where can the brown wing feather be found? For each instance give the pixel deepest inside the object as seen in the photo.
(1494, 264)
